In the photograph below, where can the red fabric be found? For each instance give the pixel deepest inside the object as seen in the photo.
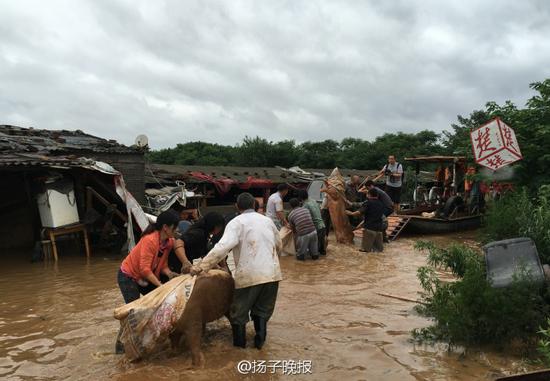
(502, 187)
(252, 182)
(143, 257)
(222, 185)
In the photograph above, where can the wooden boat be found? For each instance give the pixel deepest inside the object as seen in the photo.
(450, 216)
(427, 225)
(540, 375)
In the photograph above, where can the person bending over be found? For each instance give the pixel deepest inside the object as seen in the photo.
(255, 243)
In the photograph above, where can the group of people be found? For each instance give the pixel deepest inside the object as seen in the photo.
(169, 247)
(304, 220)
(374, 205)
(163, 253)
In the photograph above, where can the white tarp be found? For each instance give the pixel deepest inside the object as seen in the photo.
(133, 209)
(149, 320)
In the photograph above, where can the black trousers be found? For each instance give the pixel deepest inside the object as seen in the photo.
(128, 287)
(258, 300)
(321, 235)
(325, 215)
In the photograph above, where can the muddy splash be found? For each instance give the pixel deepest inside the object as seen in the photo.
(56, 323)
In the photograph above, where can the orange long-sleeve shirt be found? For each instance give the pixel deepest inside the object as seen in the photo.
(144, 260)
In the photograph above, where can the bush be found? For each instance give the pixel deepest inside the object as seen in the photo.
(537, 224)
(544, 343)
(506, 215)
(469, 310)
(517, 214)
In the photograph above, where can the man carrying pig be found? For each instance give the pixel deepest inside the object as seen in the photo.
(255, 242)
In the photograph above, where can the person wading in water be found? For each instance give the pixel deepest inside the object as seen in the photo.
(255, 242)
(193, 244)
(140, 271)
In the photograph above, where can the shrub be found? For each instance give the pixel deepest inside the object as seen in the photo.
(505, 216)
(517, 214)
(468, 310)
(544, 343)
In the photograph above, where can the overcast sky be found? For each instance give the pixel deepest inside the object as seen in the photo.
(216, 71)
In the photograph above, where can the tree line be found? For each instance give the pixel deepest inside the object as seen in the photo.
(259, 152)
(531, 124)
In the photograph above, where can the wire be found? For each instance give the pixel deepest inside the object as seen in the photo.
(152, 174)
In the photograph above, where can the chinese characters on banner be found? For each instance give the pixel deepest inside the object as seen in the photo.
(495, 145)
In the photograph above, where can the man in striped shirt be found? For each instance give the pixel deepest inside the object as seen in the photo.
(304, 230)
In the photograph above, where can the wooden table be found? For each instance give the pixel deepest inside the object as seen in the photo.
(70, 229)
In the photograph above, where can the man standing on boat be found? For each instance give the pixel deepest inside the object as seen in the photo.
(394, 180)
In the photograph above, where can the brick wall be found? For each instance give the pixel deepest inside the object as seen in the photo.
(132, 167)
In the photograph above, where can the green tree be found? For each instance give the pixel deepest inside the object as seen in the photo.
(254, 152)
(355, 154)
(194, 153)
(285, 154)
(319, 154)
(457, 141)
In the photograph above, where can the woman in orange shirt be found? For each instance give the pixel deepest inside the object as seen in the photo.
(143, 265)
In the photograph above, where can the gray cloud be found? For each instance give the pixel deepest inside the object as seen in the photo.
(304, 70)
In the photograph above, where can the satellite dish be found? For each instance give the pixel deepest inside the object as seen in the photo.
(142, 141)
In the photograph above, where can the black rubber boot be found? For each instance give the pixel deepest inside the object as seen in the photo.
(239, 335)
(260, 325)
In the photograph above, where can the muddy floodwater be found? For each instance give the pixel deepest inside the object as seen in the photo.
(56, 323)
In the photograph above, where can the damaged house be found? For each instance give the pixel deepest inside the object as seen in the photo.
(51, 179)
(210, 188)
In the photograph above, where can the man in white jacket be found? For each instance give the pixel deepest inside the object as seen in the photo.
(256, 244)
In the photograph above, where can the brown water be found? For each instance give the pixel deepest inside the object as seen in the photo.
(56, 323)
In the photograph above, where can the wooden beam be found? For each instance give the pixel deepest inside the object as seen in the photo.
(92, 192)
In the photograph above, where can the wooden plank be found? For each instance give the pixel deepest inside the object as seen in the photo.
(92, 192)
(400, 298)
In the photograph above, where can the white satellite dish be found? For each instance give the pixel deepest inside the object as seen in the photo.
(142, 141)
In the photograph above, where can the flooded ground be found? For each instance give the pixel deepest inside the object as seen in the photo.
(56, 323)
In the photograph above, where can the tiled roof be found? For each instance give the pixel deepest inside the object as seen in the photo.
(56, 142)
(165, 173)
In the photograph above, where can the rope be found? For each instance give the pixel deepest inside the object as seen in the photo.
(152, 174)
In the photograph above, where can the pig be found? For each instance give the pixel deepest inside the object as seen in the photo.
(210, 300)
(337, 209)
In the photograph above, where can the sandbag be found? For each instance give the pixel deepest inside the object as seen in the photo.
(287, 236)
(149, 320)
